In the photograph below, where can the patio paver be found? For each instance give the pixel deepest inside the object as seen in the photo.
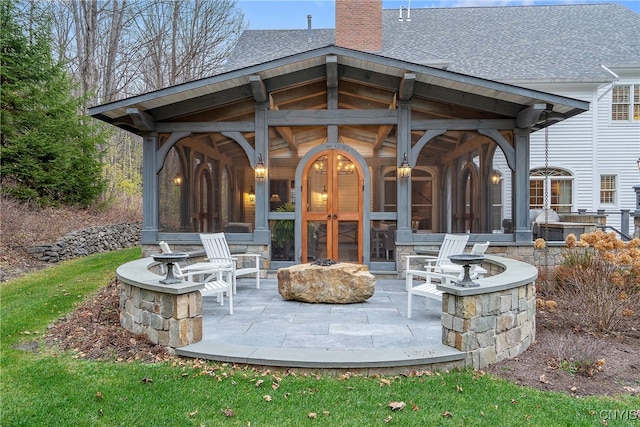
(267, 330)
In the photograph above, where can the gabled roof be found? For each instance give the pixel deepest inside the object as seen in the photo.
(509, 44)
(430, 83)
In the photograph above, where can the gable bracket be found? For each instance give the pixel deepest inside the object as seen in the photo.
(141, 120)
(405, 91)
(507, 149)
(530, 115)
(248, 149)
(332, 71)
(424, 139)
(258, 88)
(162, 152)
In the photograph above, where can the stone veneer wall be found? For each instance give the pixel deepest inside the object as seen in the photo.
(490, 327)
(167, 319)
(89, 241)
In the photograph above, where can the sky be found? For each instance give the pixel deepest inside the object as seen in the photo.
(292, 14)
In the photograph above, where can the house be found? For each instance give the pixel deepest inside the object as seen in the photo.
(370, 141)
(589, 52)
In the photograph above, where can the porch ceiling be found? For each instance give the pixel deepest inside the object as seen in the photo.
(364, 81)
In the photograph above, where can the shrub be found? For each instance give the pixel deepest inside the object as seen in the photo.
(599, 282)
(578, 354)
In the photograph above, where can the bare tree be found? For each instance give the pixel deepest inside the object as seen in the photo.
(186, 40)
(119, 48)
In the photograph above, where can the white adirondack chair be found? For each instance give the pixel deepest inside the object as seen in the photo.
(217, 250)
(424, 266)
(452, 244)
(211, 274)
(445, 273)
(476, 272)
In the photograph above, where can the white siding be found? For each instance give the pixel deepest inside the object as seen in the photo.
(589, 145)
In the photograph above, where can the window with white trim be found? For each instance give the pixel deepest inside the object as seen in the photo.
(557, 183)
(625, 103)
(608, 189)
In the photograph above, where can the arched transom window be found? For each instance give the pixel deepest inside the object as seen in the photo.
(558, 183)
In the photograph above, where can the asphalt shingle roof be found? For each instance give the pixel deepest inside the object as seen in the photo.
(511, 44)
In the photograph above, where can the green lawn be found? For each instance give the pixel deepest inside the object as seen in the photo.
(49, 388)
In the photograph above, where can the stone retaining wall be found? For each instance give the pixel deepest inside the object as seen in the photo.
(173, 320)
(89, 241)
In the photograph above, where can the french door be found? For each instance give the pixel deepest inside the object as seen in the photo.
(332, 192)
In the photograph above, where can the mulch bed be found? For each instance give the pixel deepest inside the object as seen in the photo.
(93, 331)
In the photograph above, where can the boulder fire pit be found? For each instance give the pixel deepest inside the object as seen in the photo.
(339, 283)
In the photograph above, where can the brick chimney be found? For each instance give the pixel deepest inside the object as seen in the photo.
(359, 24)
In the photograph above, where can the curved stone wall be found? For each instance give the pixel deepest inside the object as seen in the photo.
(168, 314)
(488, 323)
(89, 241)
(496, 320)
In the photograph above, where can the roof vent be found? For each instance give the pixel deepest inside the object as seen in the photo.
(401, 14)
(308, 28)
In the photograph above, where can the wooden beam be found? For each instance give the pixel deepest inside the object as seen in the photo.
(384, 131)
(141, 120)
(332, 117)
(332, 71)
(206, 127)
(405, 91)
(285, 132)
(258, 89)
(464, 124)
(471, 100)
(202, 103)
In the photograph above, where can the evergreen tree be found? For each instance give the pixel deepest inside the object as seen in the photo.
(48, 150)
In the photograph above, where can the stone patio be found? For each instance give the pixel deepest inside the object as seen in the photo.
(267, 330)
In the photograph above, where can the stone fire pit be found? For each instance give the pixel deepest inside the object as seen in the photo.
(340, 283)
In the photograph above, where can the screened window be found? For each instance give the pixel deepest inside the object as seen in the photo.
(390, 191)
(421, 200)
(625, 103)
(199, 192)
(608, 189)
(557, 184)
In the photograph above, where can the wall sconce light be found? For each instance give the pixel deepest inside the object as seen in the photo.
(638, 162)
(495, 178)
(252, 196)
(261, 170)
(177, 180)
(405, 169)
(324, 194)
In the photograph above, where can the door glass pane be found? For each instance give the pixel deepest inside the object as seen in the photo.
(316, 240)
(317, 191)
(348, 241)
(348, 191)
